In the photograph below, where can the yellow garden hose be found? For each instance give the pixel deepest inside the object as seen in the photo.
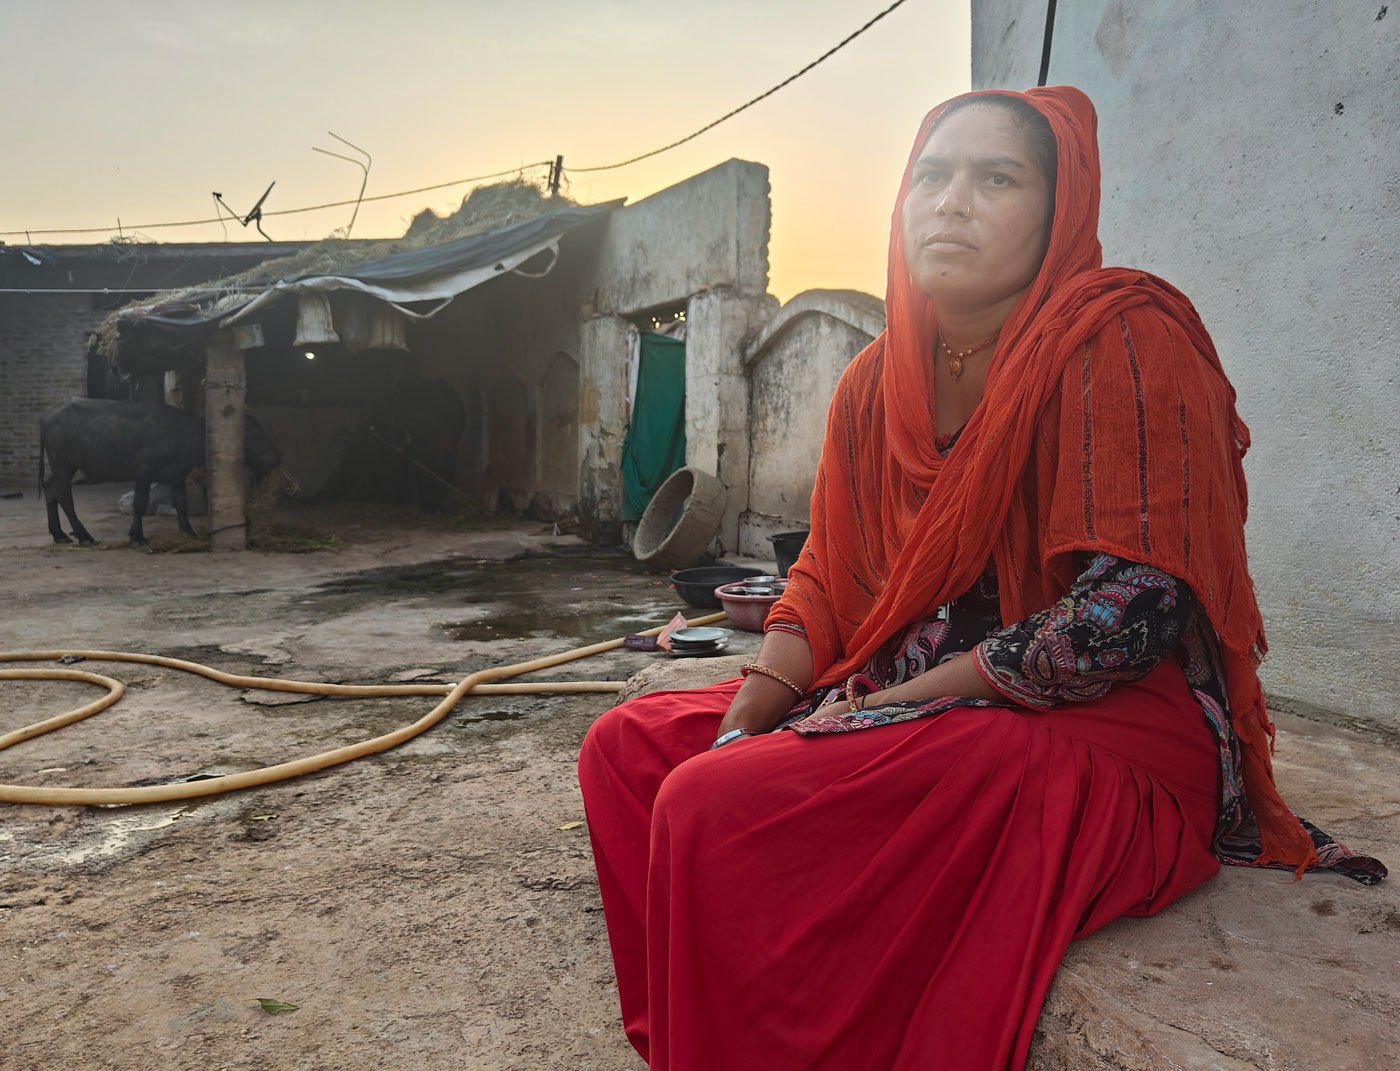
(475, 683)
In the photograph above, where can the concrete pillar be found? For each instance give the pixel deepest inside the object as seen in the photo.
(225, 391)
(717, 394)
(602, 425)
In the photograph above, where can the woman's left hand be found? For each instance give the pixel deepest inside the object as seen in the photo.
(957, 676)
(839, 706)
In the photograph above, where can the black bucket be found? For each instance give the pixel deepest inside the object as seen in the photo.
(786, 547)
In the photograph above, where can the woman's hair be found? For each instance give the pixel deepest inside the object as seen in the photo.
(1036, 128)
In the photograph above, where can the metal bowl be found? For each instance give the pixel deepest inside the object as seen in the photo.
(747, 612)
(697, 586)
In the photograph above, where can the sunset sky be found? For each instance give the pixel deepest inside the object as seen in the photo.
(138, 110)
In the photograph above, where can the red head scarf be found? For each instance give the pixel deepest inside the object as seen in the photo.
(1107, 424)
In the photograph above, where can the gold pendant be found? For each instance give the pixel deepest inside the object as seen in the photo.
(955, 367)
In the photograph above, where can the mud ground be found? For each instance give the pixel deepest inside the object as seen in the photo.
(423, 908)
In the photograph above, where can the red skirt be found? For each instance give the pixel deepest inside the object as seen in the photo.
(892, 898)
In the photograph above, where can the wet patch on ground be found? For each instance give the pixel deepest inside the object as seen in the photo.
(577, 598)
(94, 840)
(438, 894)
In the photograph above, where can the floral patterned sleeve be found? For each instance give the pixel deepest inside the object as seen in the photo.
(1119, 620)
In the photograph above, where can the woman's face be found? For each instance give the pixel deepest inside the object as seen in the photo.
(976, 218)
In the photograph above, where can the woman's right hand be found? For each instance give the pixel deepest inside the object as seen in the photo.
(760, 705)
(762, 702)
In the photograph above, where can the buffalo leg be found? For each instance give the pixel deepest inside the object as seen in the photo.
(140, 500)
(51, 497)
(182, 506)
(65, 499)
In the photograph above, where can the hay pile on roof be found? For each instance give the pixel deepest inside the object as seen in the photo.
(485, 208)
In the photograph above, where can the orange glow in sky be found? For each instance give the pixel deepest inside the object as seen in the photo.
(138, 110)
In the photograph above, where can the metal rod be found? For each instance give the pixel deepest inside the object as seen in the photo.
(364, 166)
(398, 449)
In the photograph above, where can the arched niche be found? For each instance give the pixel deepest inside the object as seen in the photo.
(509, 447)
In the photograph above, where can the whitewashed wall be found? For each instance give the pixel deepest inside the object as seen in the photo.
(793, 367)
(701, 244)
(1251, 155)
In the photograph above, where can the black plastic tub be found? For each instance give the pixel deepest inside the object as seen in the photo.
(786, 547)
(697, 586)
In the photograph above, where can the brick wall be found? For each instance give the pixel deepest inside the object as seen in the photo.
(42, 362)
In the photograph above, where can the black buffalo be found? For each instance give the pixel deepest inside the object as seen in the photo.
(142, 441)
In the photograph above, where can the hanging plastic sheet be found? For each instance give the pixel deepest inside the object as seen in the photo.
(655, 443)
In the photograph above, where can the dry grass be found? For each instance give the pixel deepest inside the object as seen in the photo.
(179, 543)
(268, 538)
(270, 492)
(288, 539)
(264, 534)
(273, 537)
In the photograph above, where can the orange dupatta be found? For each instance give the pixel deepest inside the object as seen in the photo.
(1107, 424)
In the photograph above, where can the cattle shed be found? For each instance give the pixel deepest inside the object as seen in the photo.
(480, 361)
(376, 374)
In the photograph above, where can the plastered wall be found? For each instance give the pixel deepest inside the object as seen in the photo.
(701, 244)
(708, 232)
(1251, 155)
(793, 367)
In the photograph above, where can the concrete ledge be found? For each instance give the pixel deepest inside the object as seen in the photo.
(1252, 972)
(691, 673)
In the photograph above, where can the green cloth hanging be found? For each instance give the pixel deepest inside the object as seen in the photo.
(655, 443)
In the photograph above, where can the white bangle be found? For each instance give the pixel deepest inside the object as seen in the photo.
(733, 734)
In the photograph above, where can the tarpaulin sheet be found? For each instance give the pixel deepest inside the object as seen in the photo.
(441, 272)
(436, 273)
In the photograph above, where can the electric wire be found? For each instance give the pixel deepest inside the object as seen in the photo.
(37, 290)
(284, 211)
(499, 174)
(743, 107)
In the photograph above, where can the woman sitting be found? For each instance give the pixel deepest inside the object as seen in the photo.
(1015, 666)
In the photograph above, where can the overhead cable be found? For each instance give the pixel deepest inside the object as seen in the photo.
(552, 164)
(280, 212)
(39, 291)
(743, 107)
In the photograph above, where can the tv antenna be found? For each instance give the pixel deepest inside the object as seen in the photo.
(255, 215)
